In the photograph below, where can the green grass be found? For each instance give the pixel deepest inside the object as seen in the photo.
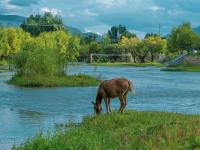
(44, 81)
(184, 67)
(129, 64)
(3, 66)
(3, 62)
(131, 130)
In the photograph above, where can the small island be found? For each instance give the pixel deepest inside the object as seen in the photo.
(60, 81)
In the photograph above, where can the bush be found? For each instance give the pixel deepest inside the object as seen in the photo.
(46, 54)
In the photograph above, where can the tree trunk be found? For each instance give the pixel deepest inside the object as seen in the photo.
(134, 57)
(152, 57)
(142, 59)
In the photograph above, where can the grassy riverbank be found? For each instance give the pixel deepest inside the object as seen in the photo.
(131, 130)
(43, 81)
(129, 64)
(3, 62)
(3, 66)
(184, 67)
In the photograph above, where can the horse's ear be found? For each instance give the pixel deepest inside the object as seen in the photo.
(93, 103)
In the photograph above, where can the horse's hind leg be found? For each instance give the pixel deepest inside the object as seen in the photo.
(124, 99)
(125, 103)
(122, 103)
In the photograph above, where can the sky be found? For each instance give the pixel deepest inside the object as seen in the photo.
(140, 16)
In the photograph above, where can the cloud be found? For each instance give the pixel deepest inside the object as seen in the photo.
(89, 13)
(156, 8)
(99, 29)
(110, 3)
(6, 7)
(23, 2)
(54, 11)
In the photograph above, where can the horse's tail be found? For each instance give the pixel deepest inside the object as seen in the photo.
(131, 88)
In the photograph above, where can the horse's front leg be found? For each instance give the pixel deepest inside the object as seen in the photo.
(107, 105)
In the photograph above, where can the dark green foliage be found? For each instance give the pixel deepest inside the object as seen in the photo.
(182, 38)
(151, 35)
(46, 23)
(117, 32)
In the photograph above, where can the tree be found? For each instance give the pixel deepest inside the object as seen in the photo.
(155, 45)
(130, 45)
(4, 46)
(94, 47)
(117, 32)
(150, 35)
(11, 40)
(182, 38)
(142, 51)
(105, 42)
(46, 23)
(46, 54)
(88, 39)
(113, 34)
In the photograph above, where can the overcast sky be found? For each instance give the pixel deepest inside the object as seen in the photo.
(140, 16)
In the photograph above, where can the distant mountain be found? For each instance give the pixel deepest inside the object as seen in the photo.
(197, 30)
(73, 31)
(15, 21)
(88, 34)
(11, 20)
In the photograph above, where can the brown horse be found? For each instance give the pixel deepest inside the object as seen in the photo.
(108, 89)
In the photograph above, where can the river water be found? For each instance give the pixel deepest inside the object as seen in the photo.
(27, 111)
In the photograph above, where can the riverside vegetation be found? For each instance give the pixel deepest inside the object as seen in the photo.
(132, 130)
(183, 67)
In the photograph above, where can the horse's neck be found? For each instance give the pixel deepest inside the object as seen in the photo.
(98, 98)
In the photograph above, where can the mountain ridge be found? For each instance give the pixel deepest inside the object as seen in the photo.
(15, 21)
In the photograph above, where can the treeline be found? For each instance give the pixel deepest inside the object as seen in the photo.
(46, 34)
(119, 40)
(38, 51)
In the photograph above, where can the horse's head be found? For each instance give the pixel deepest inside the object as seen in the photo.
(97, 108)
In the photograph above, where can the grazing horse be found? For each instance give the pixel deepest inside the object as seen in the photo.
(108, 89)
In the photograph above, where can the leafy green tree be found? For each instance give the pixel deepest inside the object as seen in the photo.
(88, 39)
(105, 41)
(117, 32)
(11, 40)
(155, 45)
(113, 34)
(142, 51)
(4, 46)
(47, 54)
(130, 45)
(150, 35)
(94, 47)
(182, 38)
(42, 23)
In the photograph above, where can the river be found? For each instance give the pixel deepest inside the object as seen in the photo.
(27, 111)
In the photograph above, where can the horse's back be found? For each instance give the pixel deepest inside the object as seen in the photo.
(114, 87)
